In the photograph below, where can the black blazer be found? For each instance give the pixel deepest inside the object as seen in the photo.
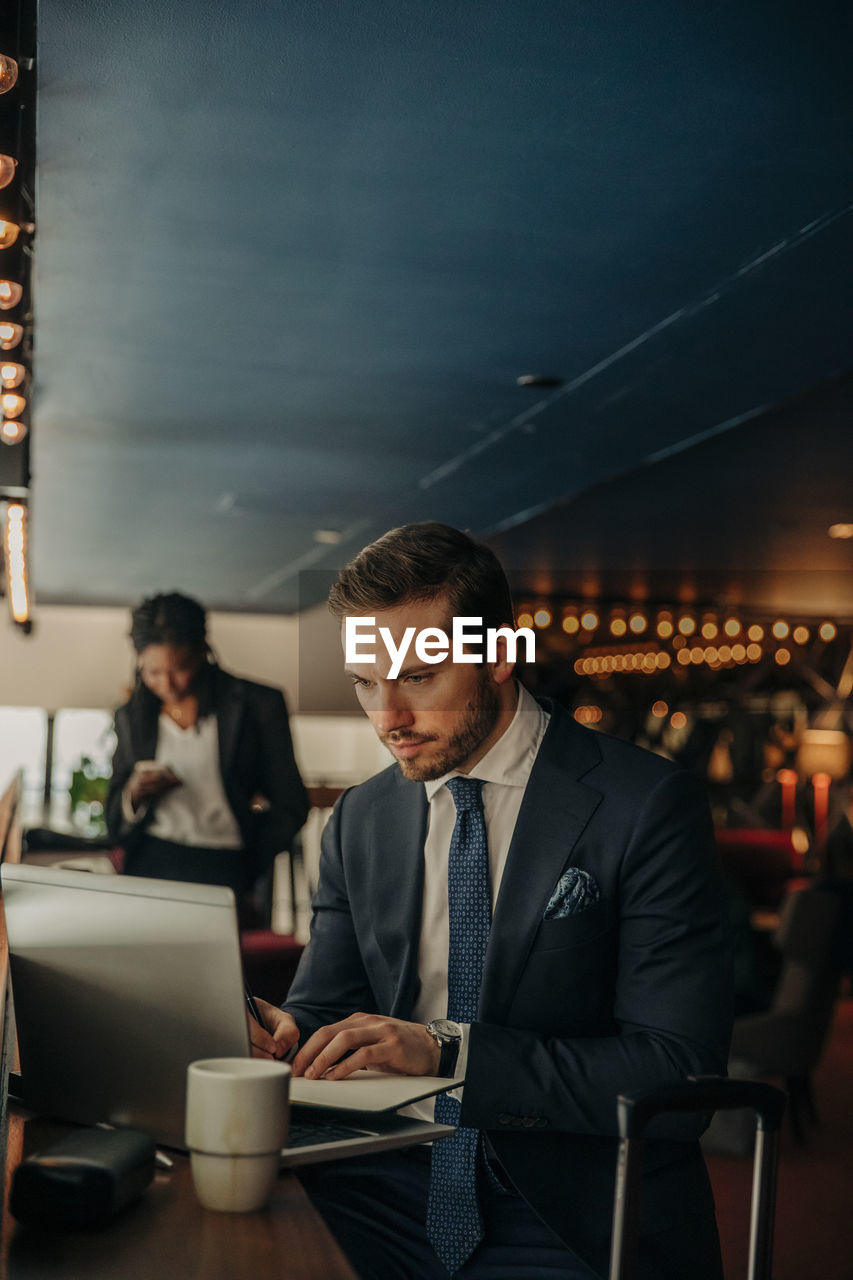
(255, 755)
(631, 993)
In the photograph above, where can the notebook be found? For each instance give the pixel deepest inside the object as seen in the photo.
(120, 982)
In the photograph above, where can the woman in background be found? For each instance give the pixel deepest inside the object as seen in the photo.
(204, 782)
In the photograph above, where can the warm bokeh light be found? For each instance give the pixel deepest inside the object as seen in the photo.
(687, 625)
(618, 626)
(542, 617)
(12, 431)
(10, 294)
(711, 654)
(8, 164)
(755, 632)
(731, 626)
(665, 628)
(827, 631)
(16, 561)
(739, 653)
(9, 232)
(590, 714)
(725, 653)
(662, 661)
(525, 619)
(783, 657)
(780, 629)
(841, 531)
(660, 709)
(638, 623)
(683, 657)
(11, 374)
(709, 630)
(753, 652)
(697, 653)
(8, 73)
(571, 624)
(589, 620)
(801, 635)
(12, 404)
(678, 720)
(10, 334)
(799, 839)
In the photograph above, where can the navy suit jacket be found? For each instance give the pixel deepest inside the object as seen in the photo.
(630, 993)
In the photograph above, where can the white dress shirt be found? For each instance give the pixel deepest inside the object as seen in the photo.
(504, 770)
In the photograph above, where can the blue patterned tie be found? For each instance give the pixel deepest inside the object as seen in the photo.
(454, 1224)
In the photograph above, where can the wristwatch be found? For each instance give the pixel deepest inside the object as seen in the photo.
(448, 1035)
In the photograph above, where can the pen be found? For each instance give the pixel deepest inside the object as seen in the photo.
(255, 1012)
(253, 1009)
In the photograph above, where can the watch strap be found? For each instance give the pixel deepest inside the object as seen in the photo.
(448, 1058)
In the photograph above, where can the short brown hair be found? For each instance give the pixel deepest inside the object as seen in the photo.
(422, 562)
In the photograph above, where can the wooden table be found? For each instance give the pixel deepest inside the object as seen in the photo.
(167, 1235)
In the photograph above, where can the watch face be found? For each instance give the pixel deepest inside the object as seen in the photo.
(446, 1029)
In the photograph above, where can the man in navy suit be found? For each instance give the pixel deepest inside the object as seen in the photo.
(603, 962)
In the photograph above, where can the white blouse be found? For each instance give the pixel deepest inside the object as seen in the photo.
(197, 812)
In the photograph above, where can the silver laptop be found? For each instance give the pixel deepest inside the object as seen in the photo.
(119, 983)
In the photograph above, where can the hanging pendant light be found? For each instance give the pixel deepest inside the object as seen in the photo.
(8, 73)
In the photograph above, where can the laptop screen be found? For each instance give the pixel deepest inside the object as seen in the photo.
(118, 984)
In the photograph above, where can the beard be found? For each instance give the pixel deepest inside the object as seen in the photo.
(478, 720)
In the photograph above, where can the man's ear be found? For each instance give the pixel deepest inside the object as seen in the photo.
(502, 669)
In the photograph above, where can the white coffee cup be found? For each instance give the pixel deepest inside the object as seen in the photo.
(237, 1121)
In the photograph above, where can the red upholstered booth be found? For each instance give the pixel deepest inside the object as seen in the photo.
(763, 863)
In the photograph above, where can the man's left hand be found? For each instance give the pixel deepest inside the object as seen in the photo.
(369, 1040)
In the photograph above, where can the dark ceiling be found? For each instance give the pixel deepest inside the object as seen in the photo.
(292, 258)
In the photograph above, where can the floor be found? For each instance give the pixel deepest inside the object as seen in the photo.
(814, 1214)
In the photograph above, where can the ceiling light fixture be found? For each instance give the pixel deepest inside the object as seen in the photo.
(8, 73)
(8, 165)
(538, 380)
(9, 232)
(15, 549)
(10, 334)
(12, 404)
(11, 374)
(10, 294)
(12, 431)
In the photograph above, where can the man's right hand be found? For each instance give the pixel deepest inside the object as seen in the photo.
(281, 1036)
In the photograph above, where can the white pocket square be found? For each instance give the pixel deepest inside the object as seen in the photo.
(576, 891)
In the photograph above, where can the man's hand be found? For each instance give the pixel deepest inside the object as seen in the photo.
(281, 1032)
(381, 1044)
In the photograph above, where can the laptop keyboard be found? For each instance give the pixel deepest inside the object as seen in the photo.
(310, 1133)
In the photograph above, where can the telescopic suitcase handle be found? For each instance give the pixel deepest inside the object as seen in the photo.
(697, 1093)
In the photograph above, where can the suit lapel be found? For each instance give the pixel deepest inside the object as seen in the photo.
(144, 720)
(229, 705)
(554, 813)
(394, 886)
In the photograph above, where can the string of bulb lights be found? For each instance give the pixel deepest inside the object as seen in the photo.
(604, 641)
(17, 232)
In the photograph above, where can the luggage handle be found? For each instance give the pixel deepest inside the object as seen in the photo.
(702, 1093)
(697, 1093)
